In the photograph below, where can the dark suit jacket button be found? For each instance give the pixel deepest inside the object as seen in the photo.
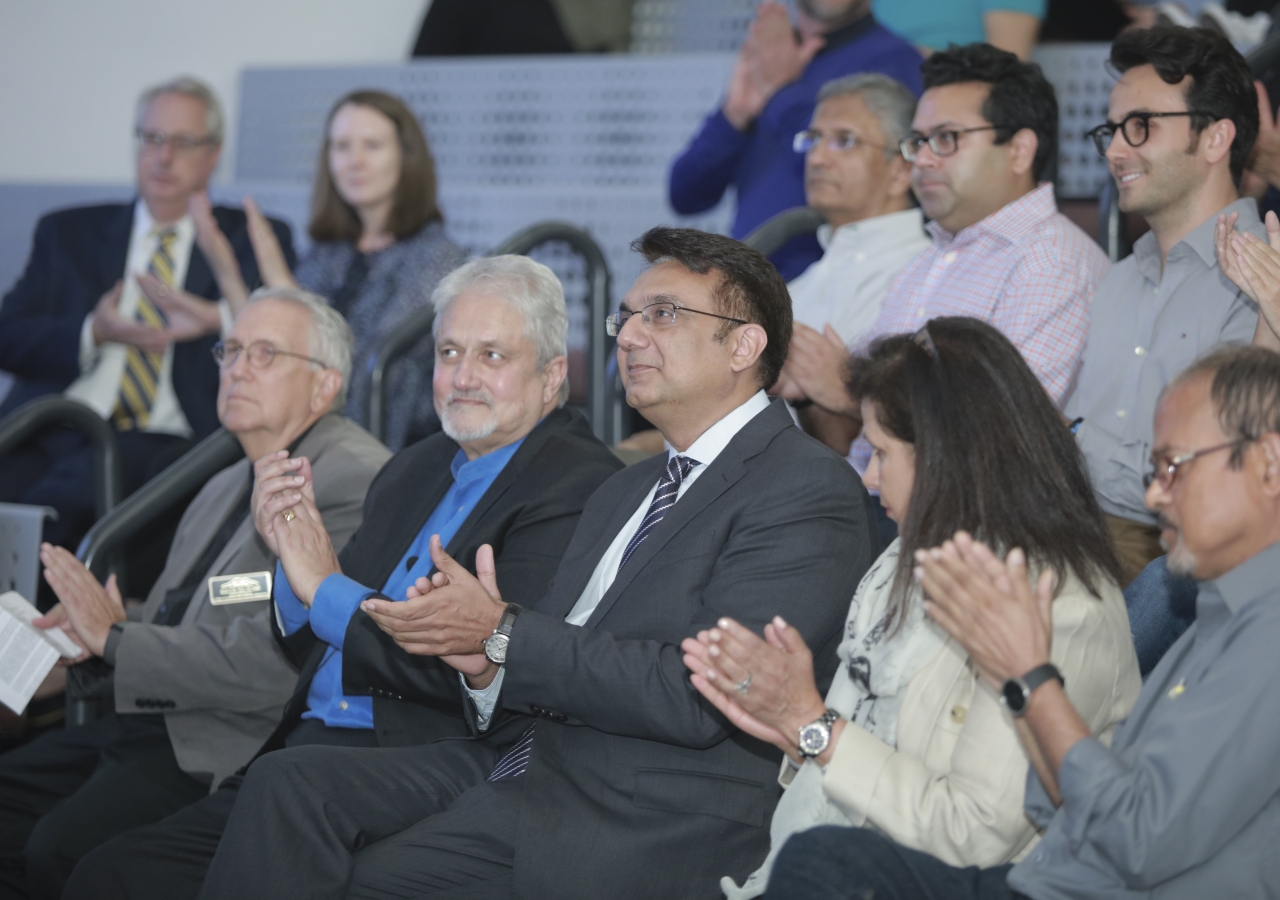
(140, 703)
(536, 710)
(558, 717)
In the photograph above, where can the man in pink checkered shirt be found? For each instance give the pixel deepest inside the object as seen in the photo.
(983, 133)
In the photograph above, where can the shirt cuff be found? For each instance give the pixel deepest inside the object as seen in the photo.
(225, 314)
(292, 615)
(112, 645)
(88, 348)
(336, 601)
(484, 700)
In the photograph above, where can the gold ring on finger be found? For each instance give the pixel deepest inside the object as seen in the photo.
(290, 515)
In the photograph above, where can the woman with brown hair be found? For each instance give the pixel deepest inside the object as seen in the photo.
(379, 247)
(909, 739)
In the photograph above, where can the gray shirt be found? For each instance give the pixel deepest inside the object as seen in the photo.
(1186, 802)
(1144, 329)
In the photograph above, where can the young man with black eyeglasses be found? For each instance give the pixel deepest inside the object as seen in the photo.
(1182, 120)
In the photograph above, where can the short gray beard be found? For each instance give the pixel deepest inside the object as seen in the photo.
(1181, 561)
(459, 434)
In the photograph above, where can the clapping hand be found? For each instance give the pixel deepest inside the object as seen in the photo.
(770, 58)
(449, 616)
(278, 485)
(816, 366)
(1254, 266)
(189, 316)
(90, 607)
(306, 552)
(109, 327)
(765, 687)
(989, 605)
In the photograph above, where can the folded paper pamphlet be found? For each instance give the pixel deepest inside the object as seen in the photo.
(27, 653)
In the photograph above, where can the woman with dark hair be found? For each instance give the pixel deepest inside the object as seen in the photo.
(379, 247)
(909, 740)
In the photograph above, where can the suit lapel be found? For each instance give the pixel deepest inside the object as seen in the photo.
(509, 475)
(115, 248)
(633, 485)
(727, 469)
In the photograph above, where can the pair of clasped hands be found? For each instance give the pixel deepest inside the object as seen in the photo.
(190, 317)
(448, 615)
(766, 686)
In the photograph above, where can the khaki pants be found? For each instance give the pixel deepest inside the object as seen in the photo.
(1136, 543)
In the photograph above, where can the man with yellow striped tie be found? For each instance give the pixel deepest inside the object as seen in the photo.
(104, 314)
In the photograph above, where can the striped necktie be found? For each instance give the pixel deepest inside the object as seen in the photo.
(516, 760)
(141, 378)
(678, 469)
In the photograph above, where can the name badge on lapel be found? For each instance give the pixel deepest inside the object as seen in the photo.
(244, 588)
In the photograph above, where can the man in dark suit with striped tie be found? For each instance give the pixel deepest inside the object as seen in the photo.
(597, 770)
(102, 314)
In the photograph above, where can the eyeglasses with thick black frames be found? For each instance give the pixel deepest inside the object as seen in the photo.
(943, 142)
(1166, 470)
(662, 314)
(259, 354)
(1136, 128)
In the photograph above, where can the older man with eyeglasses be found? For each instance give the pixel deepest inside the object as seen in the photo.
(103, 314)
(195, 676)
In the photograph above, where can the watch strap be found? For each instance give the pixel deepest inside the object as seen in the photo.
(1040, 674)
(509, 616)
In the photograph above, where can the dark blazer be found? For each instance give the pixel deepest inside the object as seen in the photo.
(528, 515)
(77, 255)
(637, 787)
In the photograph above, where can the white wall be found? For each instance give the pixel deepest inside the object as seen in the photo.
(70, 70)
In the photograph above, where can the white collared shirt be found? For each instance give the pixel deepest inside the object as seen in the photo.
(102, 367)
(846, 287)
(705, 450)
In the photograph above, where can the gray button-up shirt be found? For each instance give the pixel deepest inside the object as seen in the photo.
(1185, 805)
(1144, 329)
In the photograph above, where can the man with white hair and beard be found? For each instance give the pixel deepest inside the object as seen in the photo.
(506, 481)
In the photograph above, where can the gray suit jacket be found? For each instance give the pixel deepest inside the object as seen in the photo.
(219, 677)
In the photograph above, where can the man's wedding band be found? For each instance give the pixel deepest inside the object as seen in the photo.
(290, 515)
(742, 686)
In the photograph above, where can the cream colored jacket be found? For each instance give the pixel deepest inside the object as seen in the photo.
(954, 785)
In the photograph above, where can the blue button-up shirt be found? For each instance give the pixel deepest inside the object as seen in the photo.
(338, 596)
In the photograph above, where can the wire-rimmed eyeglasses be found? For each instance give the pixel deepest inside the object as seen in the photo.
(841, 141)
(662, 314)
(259, 354)
(1136, 128)
(943, 142)
(154, 141)
(1166, 469)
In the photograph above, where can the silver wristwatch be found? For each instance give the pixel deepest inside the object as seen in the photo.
(815, 736)
(495, 645)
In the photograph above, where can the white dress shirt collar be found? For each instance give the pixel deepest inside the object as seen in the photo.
(144, 227)
(889, 229)
(709, 444)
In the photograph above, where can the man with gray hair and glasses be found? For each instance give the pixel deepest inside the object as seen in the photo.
(102, 314)
(858, 180)
(502, 487)
(1185, 803)
(192, 679)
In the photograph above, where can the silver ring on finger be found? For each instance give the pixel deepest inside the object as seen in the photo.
(744, 685)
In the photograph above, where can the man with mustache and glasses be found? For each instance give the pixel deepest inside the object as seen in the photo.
(1181, 122)
(504, 483)
(1185, 802)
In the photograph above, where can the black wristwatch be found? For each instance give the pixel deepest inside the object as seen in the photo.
(1015, 693)
(495, 646)
(815, 736)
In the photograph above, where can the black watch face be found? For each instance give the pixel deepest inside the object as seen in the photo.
(1014, 696)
